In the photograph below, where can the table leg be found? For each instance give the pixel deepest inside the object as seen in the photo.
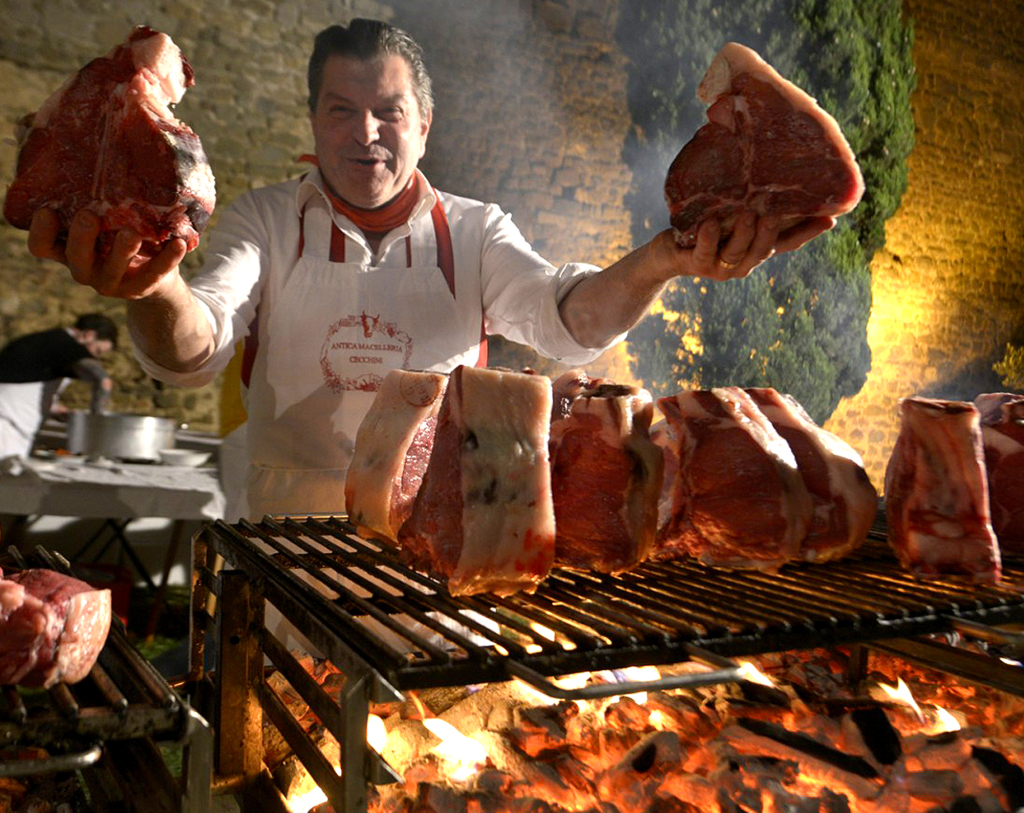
(177, 530)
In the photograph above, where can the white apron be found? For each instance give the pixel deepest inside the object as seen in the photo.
(333, 331)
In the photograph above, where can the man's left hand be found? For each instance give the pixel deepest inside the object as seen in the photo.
(753, 240)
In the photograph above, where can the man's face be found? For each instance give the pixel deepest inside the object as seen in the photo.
(96, 346)
(368, 130)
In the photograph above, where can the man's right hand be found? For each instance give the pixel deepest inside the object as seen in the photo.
(112, 275)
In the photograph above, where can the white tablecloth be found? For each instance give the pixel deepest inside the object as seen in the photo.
(75, 487)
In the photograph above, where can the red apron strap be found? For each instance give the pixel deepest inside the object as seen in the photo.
(445, 259)
(337, 244)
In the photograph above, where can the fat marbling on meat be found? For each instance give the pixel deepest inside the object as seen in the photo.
(737, 497)
(52, 627)
(392, 449)
(606, 477)
(936, 492)
(107, 141)
(483, 518)
(845, 502)
(1002, 436)
(767, 147)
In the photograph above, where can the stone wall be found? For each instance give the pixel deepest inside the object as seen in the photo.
(949, 285)
(530, 113)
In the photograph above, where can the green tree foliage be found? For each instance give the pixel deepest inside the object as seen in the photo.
(799, 322)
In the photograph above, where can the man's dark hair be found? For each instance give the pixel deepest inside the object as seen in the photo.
(103, 326)
(369, 39)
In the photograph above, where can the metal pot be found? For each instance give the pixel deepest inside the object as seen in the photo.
(119, 435)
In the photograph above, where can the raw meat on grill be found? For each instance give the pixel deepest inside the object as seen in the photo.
(392, 449)
(605, 479)
(52, 627)
(845, 501)
(107, 141)
(767, 147)
(666, 438)
(483, 517)
(567, 388)
(738, 500)
(936, 492)
(1002, 436)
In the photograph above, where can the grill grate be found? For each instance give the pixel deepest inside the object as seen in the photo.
(108, 724)
(405, 626)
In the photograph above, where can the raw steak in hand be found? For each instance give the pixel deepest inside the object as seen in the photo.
(107, 141)
(767, 148)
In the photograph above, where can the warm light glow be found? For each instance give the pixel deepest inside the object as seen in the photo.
(544, 632)
(659, 720)
(754, 675)
(307, 801)
(465, 756)
(944, 721)
(376, 733)
(638, 674)
(901, 694)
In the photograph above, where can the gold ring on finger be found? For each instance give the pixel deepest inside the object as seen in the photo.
(728, 266)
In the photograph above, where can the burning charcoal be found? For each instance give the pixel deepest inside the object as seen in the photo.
(933, 786)
(408, 741)
(878, 734)
(538, 729)
(967, 804)
(535, 779)
(934, 753)
(696, 790)
(1010, 776)
(625, 713)
(635, 781)
(680, 714)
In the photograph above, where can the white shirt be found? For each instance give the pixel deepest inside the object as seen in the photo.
(250, 275)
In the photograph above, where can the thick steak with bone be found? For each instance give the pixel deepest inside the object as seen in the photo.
(1002, 436)
(737, 499)
(606, 477)
(767, 147)
(845, 502)
(392, 450)
(107, 141)
(483, 518)
(52, 627)
(936, 492)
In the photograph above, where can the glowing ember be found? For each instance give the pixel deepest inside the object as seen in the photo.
(637, 674)
(376, 733)
(902, 694)
(944, 720)
(465, 756)
(755, 675)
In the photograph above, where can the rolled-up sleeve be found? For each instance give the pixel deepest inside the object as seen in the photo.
(522, 291)
(227, 289)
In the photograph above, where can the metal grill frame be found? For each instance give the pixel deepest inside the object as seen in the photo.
(109, 724)
(657, 614)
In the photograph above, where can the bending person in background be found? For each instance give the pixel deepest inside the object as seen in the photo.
(361, 266)
(34, 369)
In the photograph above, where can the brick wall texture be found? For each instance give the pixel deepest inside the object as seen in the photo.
(948, 287)
(531, 113)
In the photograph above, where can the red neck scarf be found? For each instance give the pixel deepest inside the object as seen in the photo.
(382, 219)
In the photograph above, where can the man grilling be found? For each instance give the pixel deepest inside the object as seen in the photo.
(360, 266)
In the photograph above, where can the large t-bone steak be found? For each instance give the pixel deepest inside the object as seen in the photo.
(845, 502)
(737, 497)
(107, 141)
(483, 518)
(52, 627)
(936, 492)
(767, 148)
